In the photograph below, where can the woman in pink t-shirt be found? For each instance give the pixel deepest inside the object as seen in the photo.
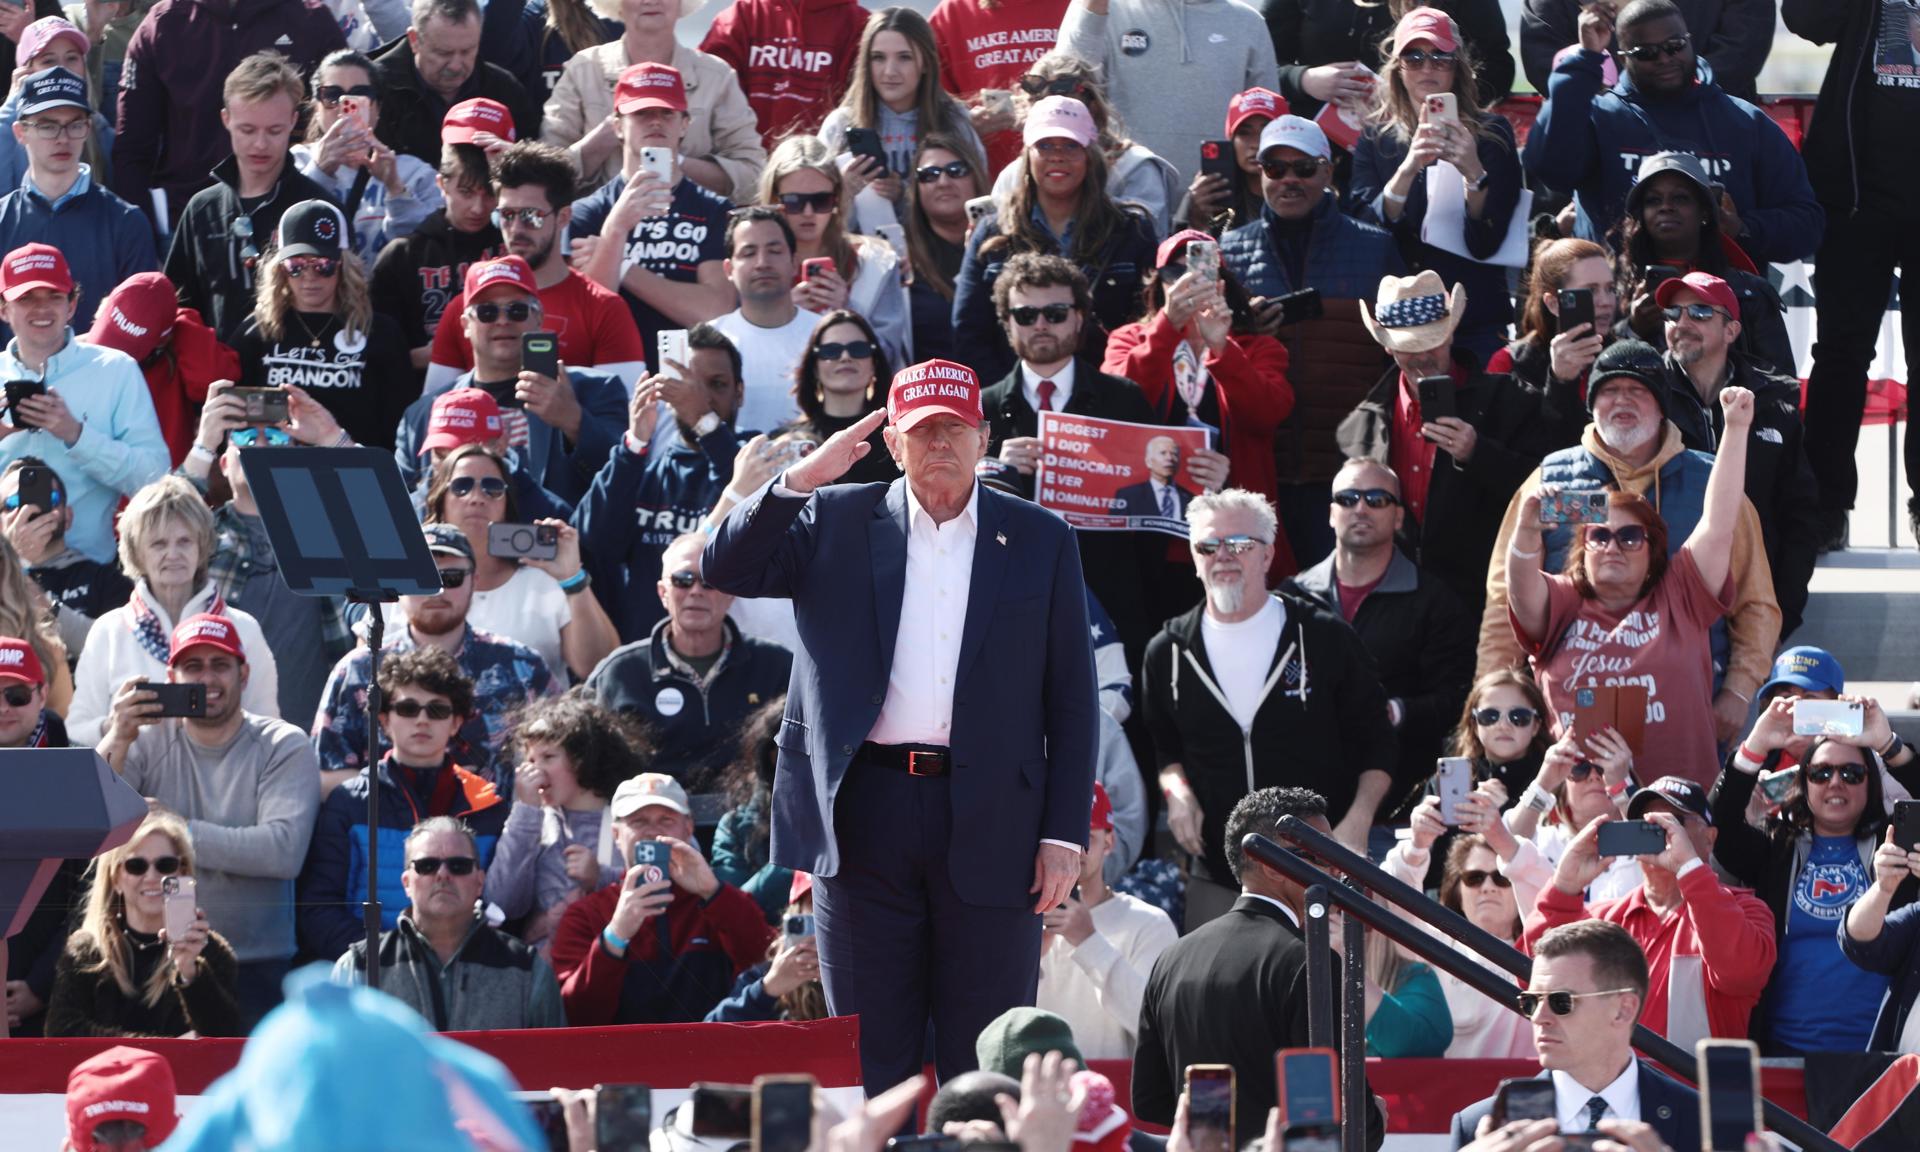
(1624, 614)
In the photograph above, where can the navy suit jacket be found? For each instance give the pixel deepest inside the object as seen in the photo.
(1670, 1106)
(1137, 500)
(1025, 705)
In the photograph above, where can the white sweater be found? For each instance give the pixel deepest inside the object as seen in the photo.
(1096, 986)
(113, 656)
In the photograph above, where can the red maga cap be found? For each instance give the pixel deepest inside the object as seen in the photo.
(1425, 24)
(206, 629)
(930, 387)
(121, 1083)
(476, 115)
(1255, 102)
(462, 416)
(507, 271)
(34, 266)
(650, 85)
(1102, 818)
(1707, 286)
(18, 661)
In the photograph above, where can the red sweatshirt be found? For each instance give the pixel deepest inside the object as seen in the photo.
(793, 58)
(178, 377)
(711, 942)
(992, 47)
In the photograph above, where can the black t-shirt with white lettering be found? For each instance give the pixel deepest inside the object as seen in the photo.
(365, 379)
(693, 232)
(1889, 92)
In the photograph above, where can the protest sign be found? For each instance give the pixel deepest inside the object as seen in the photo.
(1109, 475)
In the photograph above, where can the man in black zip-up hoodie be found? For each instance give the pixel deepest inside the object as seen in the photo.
(417, 275)
(1251, 691)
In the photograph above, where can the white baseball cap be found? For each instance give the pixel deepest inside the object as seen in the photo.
(1297, 133)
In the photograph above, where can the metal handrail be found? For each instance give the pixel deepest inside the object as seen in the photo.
(1438, 950)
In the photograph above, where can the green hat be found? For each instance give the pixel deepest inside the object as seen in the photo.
(1004, 1044)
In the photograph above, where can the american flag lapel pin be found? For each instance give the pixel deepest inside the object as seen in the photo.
(1001, 537)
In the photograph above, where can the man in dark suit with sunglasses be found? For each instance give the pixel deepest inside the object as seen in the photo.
(1589, 981)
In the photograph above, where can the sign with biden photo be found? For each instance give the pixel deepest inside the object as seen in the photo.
(1109, 475)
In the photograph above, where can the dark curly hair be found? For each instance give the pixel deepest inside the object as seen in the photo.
(606, 747)
(1796, 815)
(747, 783)
(430, 670)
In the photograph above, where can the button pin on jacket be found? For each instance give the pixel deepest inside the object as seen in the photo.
(1001, 537)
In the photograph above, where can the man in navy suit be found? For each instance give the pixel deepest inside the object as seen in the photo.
(1158, 494)
(1589, 980)
(937, 754)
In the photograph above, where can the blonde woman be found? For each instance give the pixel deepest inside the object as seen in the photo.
(166, 538)
(313, 326)
(24, 612)
(721, 151)
(895, 93)
(121, 975)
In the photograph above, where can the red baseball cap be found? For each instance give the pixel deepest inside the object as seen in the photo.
(802, 884)
(650, 85)
(933, 386)
(206, 629)
(462, 416)
(33, 266)
(506, 271)
(1255, 102)
(1707, 286)
(1174, 247)
(476, 115)
(121, 1083)
(18, 661)
(1426, 24)
(137, 317)
(1102, 818)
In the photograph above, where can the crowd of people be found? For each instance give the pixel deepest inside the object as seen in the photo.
(1506, 472)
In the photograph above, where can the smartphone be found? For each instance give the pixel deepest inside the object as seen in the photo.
(18, 390)
(997, 102)
(1443, 107)
(622, 1117)
(1729, 1075)
(931, 1142)
(36, 488)
(1217, 158)
(1906, 824)
(1203, 259)
(655, 857)
(1453, 783)
(1573, 506)
(1828, 718)
(721, 1111)
(1576, 308)
(782, 1114)
(896, 237)
(866, 142)
(1621, 707)
(797, 925)
(1436, 398)
(1210, 1101)
(978, 209)
(671, 344)
(1302, 305)
(550, 1116)
(181, 895)
(1778, 786)
(264, 405)
(1309, 1083)
(1631, 838)
(811, 268)
(177, 700)
(523, 541)
(540, 354)
(659, 161)
(1311, 1138)
(1524, 1098)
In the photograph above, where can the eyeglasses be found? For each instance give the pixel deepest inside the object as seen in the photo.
(329, 94)
(453, 577)
(1518, 717)
(1850, 773)
(1692, 311)
(1628, 537)
(1376, 498)
(1055, 314)
(799, 203)
(534, 218)
(259, 438)
(1560, 1002)
(686, 578)
(1648, 53)
(1414, 59)
(165, 865)
(858, 349)
(1232, 545)
(516, 312)
(491, 487)
(956, 170)
(1037, 86)
(411, 709)
(457, 865)
(12, 502)
(1304, 169)
(53, 130)
(322, 266)
(1474, 878)
(17, 695)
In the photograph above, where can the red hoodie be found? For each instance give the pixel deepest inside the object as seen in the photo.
(793, 58)
(177, 353)
(992, 47)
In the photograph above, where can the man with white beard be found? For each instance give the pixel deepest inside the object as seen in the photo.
(1631, 446)
(1254, 690)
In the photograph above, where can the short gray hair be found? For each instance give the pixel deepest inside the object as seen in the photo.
(448, 11)
(434, 824)
(1236, 500)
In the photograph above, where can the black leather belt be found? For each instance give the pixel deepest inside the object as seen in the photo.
(913, 759)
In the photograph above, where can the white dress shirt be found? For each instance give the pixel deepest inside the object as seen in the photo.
(1286, 911)
(1062, 386)
(933, 613)
(1622, 1096)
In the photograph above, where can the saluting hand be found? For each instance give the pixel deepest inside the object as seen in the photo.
(831, 460)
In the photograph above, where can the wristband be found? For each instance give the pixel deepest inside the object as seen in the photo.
(616, 943)
(344, 440)
(1746, 761)
(1536, 797)
(200, 451)
(1391, 198)
(705, 426)
(576, 583)
(1892, 748)
(1513, 551)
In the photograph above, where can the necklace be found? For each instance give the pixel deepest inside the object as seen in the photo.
(313, 338)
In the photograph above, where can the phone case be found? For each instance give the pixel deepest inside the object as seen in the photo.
(1436, 398)
(1622, 707)
(1828, 718)
(1628, 838)
(1452, 783)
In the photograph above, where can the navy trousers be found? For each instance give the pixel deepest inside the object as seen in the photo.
(898, 947)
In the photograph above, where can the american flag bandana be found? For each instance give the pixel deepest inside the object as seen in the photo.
(1411, 312)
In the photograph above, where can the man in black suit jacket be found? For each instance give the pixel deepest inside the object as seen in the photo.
(1234, 991)
(1596, 971)
(1142, 499)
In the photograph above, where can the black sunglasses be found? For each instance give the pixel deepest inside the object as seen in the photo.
(329, 94)
(411, 709)
(321, 266)
(1561, 1003)
(1276, 169)
(1418, 58)
(1034, 85)
(954, 170)
(858, 349)
(1850, 773)
(687, 578)
(799, 203)
(492, 487)
(1375, 497)
(1628, 537)
(1582, 769)
(458, 865)
(17, 695)
(1474, 877)
(1690, 311)
(1234, 545)
(165, 865)
(1026, 315)
(534, 218)
(1648, 53)
(490, 312)
(453, 577)
(1518, 717)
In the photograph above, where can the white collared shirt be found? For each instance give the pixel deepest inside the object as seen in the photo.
(1622, 1097)
(1288, 912)
(1062, 386)
(933, 614)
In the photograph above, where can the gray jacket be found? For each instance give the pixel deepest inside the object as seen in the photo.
(250, 818)
(493, 981)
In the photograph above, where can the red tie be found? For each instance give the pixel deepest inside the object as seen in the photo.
(1045, 389)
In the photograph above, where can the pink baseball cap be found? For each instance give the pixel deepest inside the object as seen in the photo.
(33, 266)
(476, 115)
(506, 271)
(462, 416)
(1426, 24)
(35, 38)
(931, 387)
(1059, 118)
(650, 85)
(1255, 102)
(1708, 287)
(208, 629)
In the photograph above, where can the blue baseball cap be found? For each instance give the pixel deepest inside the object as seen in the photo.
(1806, 667)
(53, 88)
